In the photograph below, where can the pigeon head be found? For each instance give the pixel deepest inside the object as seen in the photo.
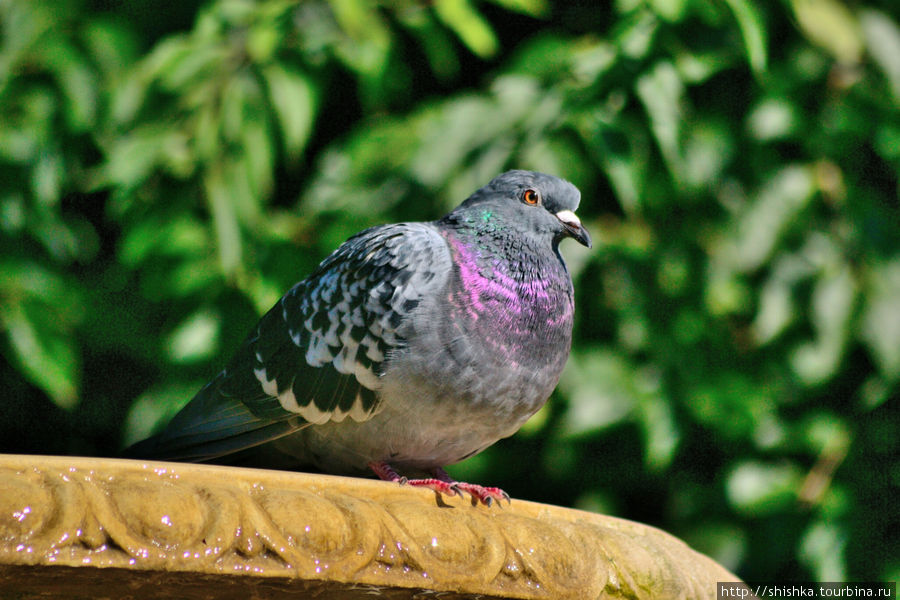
(531, 202)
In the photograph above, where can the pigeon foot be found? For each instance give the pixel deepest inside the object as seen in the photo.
(442, 483)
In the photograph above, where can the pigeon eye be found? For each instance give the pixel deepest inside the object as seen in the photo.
(531, 197)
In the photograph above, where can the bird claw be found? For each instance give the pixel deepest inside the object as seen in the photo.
(485, 495)
(444, 484)
(442, 487)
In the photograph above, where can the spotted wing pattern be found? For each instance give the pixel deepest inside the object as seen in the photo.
(318, 355)
(321, 351)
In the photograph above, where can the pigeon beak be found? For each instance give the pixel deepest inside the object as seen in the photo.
(574, 227)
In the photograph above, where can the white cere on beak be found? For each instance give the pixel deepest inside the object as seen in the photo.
(567, 216)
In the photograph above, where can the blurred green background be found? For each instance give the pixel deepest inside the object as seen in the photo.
(167, 170)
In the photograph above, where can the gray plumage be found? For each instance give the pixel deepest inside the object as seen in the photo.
(413, 345)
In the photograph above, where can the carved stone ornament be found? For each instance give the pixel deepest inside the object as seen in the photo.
(88, 528)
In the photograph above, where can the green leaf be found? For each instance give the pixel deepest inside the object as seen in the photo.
(436, 42)
(293, 98)
(154, 408)
(113, 46)
(635, 35)
(194, 277)
(47, 178)
(207, 141)
(590, 59)
(447, 135)
(832, 306)
(225, 222)
(661, 432)
(469, 25)
(31, 280)
(258, 155)
(777, 307)
(882, 37)
(164, 56)
(77, 80)
(368, 40)
(179, 236)
(47, 356)
(707, 149)
(832, 26)
(621, 149)
(759, 227)
(127, 98)
(192, 66)
(195, 338)
(772, 119)
(134, 155)
(753, 31)
(263, 41)
(881, 317)
(724, 542)
(237, 93)
(823, 549)
(602, 391)
(671, 10)
(240, 182)
(759, 489)
(535, 8)
(663, 95)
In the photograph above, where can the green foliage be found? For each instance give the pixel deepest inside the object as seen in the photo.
(734, 377)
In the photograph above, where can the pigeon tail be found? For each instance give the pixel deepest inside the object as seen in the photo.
(209, 427)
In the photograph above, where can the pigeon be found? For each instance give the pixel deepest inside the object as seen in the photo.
(411, 347)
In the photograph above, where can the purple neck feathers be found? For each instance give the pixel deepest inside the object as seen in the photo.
(528, 297)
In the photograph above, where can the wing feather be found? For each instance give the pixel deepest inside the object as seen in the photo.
(318, 355)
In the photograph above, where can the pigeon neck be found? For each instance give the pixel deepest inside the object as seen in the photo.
(488, 243)
(501, 271)
(528, 300)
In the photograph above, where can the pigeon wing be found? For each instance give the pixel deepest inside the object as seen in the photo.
(318, 355)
